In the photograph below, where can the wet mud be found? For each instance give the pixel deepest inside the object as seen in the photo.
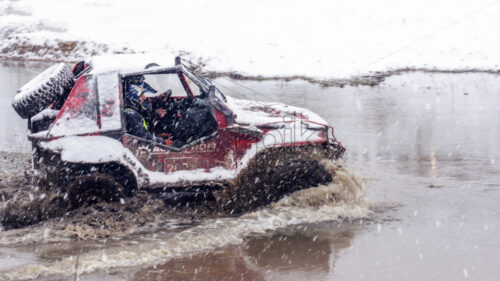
(24, 203)
(28, 203)
(341, 199)
(32, 208)
(105, 218)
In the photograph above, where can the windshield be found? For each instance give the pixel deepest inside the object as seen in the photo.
(194, 88)
(163, 82)
(218, 94)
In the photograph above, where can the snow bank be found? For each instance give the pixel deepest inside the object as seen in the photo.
(320, 39)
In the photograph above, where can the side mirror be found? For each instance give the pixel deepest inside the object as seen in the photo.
(177, 60)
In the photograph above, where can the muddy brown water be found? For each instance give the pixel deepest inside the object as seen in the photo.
(420, 183)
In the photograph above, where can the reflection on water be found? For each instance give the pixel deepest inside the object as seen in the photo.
(428, 146)
(303, 252)
(219, 265)
(283, 252)
(13, 75)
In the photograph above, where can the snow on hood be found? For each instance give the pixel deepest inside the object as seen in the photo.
(256, 113)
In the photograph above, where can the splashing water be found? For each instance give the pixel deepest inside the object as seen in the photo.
(343, 198)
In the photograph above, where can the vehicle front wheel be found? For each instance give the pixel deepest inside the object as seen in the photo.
(262, 184)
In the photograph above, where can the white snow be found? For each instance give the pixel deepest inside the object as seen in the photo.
(109, 101)
(253, 112)
(128, 63)
(90, 149)
(321, 39)
(46, 113)
(70, 123)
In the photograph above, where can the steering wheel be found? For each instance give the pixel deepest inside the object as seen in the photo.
(166, 96)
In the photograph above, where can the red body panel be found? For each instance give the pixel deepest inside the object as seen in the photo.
(78, 96)
(224, 150)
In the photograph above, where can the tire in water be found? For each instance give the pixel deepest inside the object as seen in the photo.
(265, 185)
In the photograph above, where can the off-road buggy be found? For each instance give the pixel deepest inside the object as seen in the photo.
(253, 153)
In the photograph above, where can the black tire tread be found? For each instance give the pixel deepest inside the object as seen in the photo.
(41, 96)
(273, 175)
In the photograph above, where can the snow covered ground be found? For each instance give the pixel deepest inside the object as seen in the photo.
(320, 39)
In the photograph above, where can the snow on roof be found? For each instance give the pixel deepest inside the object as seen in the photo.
(128, 62)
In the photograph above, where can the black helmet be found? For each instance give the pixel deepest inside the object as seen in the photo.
(138, 79)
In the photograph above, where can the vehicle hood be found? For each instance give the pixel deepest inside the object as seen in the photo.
(263, 114)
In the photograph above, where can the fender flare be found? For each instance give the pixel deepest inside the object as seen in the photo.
(96, 151)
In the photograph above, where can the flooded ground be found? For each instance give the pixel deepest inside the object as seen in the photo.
(425, 145)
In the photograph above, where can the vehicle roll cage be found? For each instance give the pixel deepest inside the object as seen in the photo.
(180, 69)
(207, 90)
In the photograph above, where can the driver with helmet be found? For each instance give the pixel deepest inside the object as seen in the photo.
(138, 109)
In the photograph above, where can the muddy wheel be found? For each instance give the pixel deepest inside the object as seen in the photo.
(261, 186)
(42, 90)
(93, 188)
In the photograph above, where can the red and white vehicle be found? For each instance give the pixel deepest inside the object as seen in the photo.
(78, 131)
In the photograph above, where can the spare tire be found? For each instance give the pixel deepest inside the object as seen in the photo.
(42, 90)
